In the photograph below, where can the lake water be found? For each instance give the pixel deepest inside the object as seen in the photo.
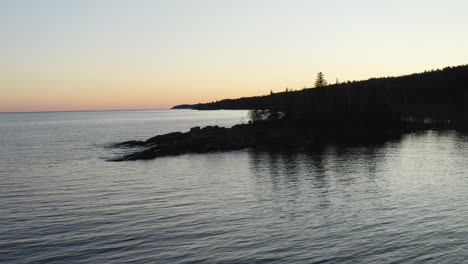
(403, 201)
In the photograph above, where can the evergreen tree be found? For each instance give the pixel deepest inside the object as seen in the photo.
(320, 80)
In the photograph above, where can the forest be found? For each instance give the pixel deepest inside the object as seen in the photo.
(358, 112)
(436, 96)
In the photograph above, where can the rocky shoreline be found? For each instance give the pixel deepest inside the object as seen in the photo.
(266, 135)
(197, 140)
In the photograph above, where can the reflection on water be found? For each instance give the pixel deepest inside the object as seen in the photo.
(325, 170)
(401, 201)
(377, 203)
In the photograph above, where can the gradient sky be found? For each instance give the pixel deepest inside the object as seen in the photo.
(135, 54)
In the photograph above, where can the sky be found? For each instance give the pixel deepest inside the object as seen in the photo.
(64, 55)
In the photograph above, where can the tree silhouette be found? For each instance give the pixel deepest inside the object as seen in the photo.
(320, 80)
(437, 95)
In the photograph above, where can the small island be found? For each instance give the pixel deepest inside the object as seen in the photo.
(374, 110)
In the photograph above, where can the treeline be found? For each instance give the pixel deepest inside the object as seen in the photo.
(434, 96)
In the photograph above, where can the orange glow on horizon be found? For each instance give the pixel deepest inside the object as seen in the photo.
(98, 55)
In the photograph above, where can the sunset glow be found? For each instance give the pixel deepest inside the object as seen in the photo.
(97, 55)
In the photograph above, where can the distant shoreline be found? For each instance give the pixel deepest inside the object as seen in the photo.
(70, 111)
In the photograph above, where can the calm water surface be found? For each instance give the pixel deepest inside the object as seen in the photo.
(403, 201)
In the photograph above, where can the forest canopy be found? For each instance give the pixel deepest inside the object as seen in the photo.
(432, 95)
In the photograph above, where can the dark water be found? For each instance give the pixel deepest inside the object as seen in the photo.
(404, 201)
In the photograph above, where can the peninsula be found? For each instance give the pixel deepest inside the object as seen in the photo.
(377, 109)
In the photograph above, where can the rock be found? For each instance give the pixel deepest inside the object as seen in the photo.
(197, 140)
(131, 143)
(254, 135)
(166, 138)
(195, 131)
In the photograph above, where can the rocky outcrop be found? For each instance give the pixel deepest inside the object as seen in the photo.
(261, 135)
(197, 140)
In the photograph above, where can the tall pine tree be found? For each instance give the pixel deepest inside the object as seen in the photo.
(320, 80)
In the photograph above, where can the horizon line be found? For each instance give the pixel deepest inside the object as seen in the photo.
(85, 110)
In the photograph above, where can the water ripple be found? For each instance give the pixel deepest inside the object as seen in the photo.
(399, 202)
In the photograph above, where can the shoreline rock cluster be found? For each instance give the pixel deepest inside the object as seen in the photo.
(197, 140)
(263, 135)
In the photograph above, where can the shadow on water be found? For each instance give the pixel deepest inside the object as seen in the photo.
(289, 174)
